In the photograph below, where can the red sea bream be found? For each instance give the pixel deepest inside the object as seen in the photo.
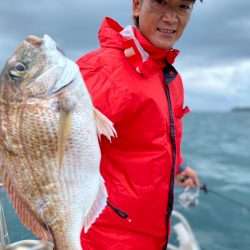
(49, 151)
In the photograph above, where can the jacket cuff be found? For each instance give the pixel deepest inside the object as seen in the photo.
(183, 166)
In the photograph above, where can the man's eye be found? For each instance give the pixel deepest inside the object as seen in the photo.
(162, 2)
(184, 6)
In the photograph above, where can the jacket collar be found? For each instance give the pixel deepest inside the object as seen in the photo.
(141, 54)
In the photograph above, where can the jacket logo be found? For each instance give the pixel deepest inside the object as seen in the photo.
(129, 52)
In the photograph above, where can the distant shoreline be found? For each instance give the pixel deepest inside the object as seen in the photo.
(241, 109)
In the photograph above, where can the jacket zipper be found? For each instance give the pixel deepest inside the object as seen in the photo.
(169, 75)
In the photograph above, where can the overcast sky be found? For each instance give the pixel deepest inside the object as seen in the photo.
(215, 48)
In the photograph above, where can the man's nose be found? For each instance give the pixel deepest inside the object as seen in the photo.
(170, 16)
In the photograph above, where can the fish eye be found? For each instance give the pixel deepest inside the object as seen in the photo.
(20, 68)
(18, 71)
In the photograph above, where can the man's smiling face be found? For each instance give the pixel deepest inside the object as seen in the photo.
(162, 22)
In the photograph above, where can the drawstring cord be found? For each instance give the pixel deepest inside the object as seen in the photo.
(119, 212)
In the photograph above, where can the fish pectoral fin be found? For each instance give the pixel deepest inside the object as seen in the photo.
(104, 125)
(66, 107)
(97, 207)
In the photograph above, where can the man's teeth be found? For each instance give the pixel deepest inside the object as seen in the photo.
(167, 31)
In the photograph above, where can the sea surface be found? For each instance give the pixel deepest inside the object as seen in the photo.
(217, 146)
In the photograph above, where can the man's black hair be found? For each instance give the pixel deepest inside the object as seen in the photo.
(136, 19)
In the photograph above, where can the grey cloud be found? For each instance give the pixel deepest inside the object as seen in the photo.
(73, 24)
(218, 32)
(218, 87)
(217, 35)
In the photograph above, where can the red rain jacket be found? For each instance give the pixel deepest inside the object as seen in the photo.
(126, 82)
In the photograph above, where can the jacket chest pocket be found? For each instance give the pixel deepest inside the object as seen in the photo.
(179, 114)
(182, 112)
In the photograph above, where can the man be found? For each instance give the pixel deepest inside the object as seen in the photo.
(132, 81)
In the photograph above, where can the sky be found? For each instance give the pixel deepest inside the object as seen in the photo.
(215, 48)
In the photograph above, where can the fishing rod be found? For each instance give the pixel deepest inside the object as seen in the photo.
(236, 202)
(191, 198)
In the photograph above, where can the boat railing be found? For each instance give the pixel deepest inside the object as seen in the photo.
(185, 235)
(29, 245)
(4, 236)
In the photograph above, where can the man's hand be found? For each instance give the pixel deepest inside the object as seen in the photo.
(188, 178)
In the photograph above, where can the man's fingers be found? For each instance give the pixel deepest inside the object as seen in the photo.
(196, 181)
(188, 183)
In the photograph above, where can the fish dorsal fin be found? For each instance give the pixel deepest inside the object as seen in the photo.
(28, 218)
(97, 207)
(104, 125)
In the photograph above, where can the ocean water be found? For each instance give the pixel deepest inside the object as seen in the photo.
(217, 146)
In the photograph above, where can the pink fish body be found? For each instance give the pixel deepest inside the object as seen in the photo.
(49, 151)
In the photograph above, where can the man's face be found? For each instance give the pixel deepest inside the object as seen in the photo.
(162, 21)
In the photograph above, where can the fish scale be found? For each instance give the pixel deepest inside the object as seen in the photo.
(49, 150)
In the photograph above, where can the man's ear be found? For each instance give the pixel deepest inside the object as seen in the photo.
(136, 8)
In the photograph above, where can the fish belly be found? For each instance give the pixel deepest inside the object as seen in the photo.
(54, 202)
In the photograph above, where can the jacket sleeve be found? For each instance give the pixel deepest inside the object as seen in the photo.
(181, 163)
(181, 166)
(110, 98)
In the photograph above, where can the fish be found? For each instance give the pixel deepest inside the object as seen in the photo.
(49, 143)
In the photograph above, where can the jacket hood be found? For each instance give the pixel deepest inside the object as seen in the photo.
(141, 54)
(109, 34)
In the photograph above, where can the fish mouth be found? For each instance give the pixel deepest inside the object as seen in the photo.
(34, 40)
(46, 42)
(58, 62)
